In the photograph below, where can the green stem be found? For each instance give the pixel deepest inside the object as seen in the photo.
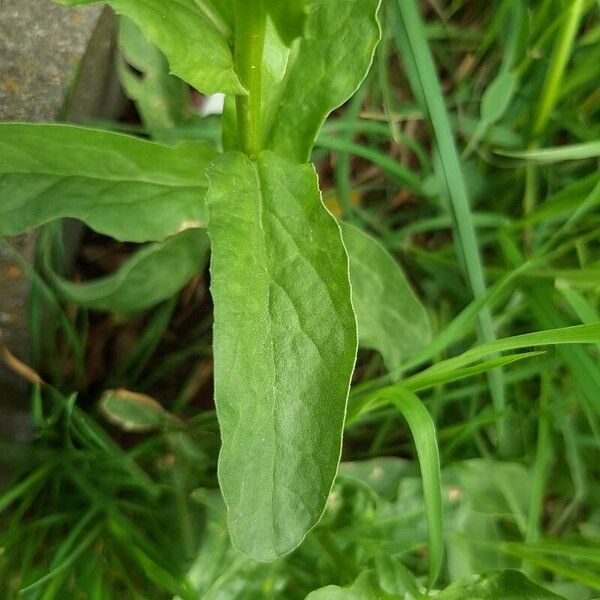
(540, 470)
(249, 45)
(558, 64)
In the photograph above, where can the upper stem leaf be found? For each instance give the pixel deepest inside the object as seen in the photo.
(325, 68)
(192, 36)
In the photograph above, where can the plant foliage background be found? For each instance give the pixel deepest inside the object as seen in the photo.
(460, 161)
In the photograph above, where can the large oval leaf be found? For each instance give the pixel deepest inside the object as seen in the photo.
(191, 34)
(390, 318)
(150, 276)
(284, 347)
(125, 187)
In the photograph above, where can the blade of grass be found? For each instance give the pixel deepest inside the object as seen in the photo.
(578, 334)
(66, 556)
(540, 469)
(558, 63)
(395, 170)
(462, 373)
(153, 571)
(13, 493)
(557, 154)
(423, 432)
(412, 43)
(343, 168)
(578, 473)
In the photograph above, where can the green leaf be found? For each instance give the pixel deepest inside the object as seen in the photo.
(125, 187)
(289, 17)
(160, 98)
(498, 96)
(192, 35)
(275, 54)
(390, 581)
(152, 275)
(577, 334)
(133, 412)
(423, 431)
(365, 587)
(497, 585)
(584, 151)
(284, 347)
(343, 33)
(413, 44)
(390, 318)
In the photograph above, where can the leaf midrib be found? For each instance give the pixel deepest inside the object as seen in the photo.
(273, 375)
(123, 180)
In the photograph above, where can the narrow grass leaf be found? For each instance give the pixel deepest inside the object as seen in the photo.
(423, 432)
(412, 43)
(577, 334)
(547, 156)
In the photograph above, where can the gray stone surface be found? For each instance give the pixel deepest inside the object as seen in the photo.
(56, 62)
(41, 43)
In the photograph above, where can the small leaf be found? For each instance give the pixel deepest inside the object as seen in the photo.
(284, 347)
(275, 54)
(497, 97)
(366, 587)
(343, 33)
(125, 187)
(390, 318)
(133, 412)
(160, 98)
(497, 585)
(150, 276)
(191, 34)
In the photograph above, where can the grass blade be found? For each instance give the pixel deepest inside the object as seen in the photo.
(412, 42)
(422, 429)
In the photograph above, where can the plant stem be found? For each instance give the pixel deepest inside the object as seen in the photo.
(249, 45)
(558, 64)
(540, 470)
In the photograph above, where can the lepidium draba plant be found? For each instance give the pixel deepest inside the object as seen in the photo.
(285, 333)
